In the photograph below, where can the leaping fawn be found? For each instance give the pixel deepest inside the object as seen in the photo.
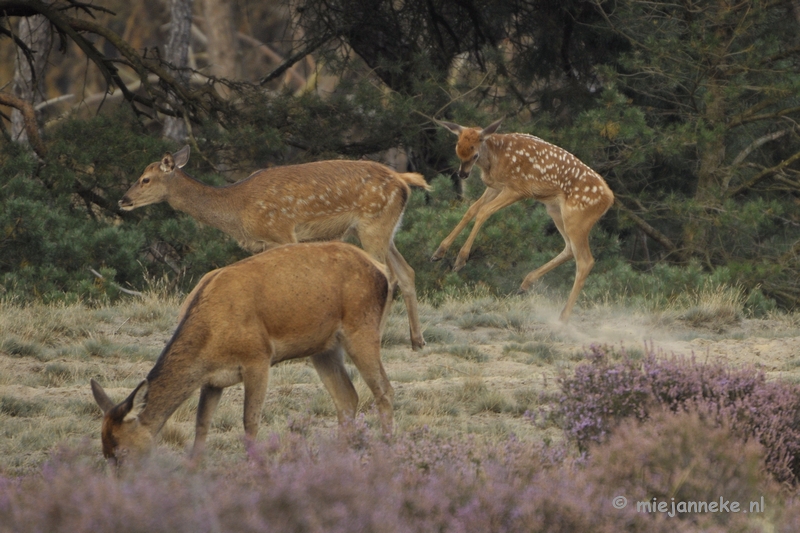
(516, 166)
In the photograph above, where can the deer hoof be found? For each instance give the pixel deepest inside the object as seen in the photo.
(417, 345)
(438, 254)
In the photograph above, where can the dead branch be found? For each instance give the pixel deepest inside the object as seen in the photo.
(761, 175)
(757, 143)
(29, 118)
(98, 275)
(746, 119)
(649, 230)
(310, 47)
(748, 150)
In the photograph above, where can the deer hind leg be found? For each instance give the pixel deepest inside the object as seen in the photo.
(488, 195)
(503, 199)
(330, 367)
(363, 344)
(377, 242)
(555, 213)
(209, 400)
(401, 270)
(578, 228)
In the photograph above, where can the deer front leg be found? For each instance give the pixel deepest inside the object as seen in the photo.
(330, 367)
(255, 381)
(209, 400)
(488, 195)
(504, 198)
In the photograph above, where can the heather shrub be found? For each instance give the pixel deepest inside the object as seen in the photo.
(418, 482)
(603, 392)
(684, 457)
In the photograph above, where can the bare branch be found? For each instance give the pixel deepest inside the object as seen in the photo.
(272, 55)
(748, 150)
(310, 47)
(765, 116)
(98, 275)
(29, 118)
(763, 174)
(649, 230)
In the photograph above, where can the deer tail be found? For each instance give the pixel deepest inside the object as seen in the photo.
(414, 179)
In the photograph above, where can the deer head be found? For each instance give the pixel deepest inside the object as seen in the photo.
(122, 434)
(152, 186)
(470, 142)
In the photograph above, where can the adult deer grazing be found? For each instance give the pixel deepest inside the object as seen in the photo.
(311, 202)
(314, 300)
(516, 166)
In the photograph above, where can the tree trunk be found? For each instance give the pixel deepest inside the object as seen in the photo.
(223, 49)
(34, 31)
(178, 56)
(711, 155)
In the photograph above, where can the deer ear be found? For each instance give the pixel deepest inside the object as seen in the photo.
(181, 157)
(136, 402)
(491, 128)
(101, 397)
(455, 128)
(167, 163)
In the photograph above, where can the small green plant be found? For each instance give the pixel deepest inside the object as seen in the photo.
(18, 407)
(482, 320)
(439, 335)
(99, 347)
(465, 351)
(19, 348)
(57, 374)
(541, 353)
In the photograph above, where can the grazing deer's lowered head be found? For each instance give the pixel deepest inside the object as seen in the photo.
(515, 166)
(318, 201)
(316, 300)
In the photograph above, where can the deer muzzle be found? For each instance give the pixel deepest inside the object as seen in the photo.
(125, 204)
(464, 170)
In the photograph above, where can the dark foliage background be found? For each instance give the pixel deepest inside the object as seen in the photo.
(690, 111)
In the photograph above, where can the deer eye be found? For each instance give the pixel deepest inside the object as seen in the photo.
(145, 181)
(474, 157)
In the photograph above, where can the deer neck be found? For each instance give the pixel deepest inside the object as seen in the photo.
(486, 155)
(207, 204)
(171, 382)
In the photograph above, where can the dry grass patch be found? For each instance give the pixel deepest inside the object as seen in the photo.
(488, 361)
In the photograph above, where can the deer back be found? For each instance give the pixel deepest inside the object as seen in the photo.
(322, 200)
(308, 202)
(542, 170)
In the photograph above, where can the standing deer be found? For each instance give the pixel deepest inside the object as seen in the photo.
(516, 166)
(314, 300)
(318, 201)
